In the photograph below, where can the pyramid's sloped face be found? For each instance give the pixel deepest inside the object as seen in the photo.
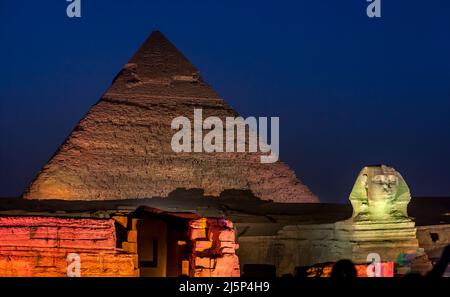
(122, 148)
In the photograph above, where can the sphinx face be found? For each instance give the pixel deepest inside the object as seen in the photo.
(382, 187)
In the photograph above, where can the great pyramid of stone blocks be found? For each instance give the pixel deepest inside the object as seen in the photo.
(122, 148)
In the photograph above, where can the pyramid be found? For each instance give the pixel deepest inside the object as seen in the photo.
(122, 149)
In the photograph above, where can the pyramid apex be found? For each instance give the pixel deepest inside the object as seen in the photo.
(157, 34)
(158, 58)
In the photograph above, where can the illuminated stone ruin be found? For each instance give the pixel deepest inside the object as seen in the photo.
(165, 245)
(214, 248)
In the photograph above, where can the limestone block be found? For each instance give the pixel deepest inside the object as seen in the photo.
(202, 245)
(197, 234)
(227, 265)
(228, 244)
(129, 246)
(227, 235)
(204, 262)
(227, 250)
(134, 223)
(198, 224)
(132, 236)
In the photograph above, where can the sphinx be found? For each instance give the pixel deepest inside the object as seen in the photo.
(380, 224)
(380, 194)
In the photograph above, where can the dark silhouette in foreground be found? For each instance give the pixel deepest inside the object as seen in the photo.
(413, 275)
(343, 268)
(441, 265)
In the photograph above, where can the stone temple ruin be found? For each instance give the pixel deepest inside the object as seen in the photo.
(116, 195)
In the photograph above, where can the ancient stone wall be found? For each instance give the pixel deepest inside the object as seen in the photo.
(433, 239)
(293, 246)
(307, 245)
(38, 246)
(214, 248)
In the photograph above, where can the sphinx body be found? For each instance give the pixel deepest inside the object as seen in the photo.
(380, 223)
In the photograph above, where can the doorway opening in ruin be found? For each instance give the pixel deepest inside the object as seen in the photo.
(163, 246)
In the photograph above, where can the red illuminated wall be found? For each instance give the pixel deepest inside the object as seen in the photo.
(38, 246)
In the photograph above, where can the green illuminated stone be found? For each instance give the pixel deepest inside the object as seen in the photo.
(380, 194)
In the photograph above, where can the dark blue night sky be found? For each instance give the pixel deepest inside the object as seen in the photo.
(349, 90)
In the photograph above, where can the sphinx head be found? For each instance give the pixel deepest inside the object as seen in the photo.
(382, 183)
(380, 194)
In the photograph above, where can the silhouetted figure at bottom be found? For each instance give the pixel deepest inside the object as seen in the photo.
(413, 275)
(343, 268)
(440, 267)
